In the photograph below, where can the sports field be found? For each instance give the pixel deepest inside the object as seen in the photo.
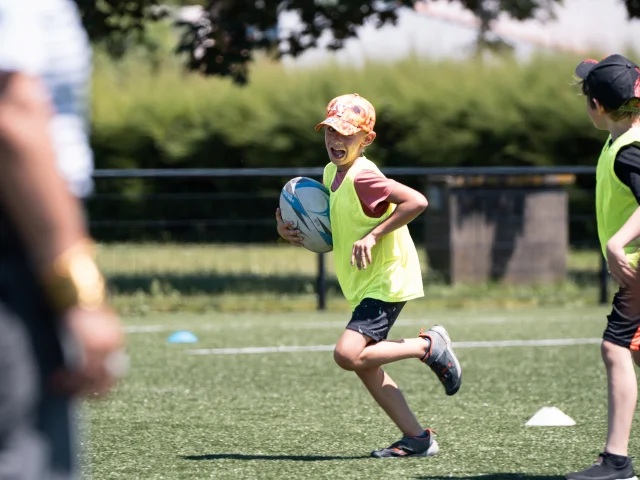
(233, 413)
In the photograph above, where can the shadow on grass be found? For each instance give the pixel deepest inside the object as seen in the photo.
(215, 283)
(495, 476)
(295, 458)
(244, 283)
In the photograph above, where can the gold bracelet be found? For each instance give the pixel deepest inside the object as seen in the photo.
(73, 279)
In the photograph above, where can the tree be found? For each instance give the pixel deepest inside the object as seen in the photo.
(223, 41)
(633, 8)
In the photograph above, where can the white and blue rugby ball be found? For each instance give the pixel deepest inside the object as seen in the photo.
(305, 202)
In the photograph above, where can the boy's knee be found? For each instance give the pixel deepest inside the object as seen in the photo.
(346, 360)
(613, 354)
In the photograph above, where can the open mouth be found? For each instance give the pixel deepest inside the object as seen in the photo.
(338, 153)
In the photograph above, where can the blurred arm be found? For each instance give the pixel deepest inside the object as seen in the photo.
(32, 193)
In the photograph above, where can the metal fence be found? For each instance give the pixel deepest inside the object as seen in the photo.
(203, 204)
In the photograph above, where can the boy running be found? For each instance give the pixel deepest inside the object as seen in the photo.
(612, 88)
(378, 269)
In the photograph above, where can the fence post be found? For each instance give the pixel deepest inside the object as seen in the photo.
(321, 283)
(604, 280)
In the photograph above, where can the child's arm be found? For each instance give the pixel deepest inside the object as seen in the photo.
(287, 231)
(627, 169)
(619, 267)
(409, 204)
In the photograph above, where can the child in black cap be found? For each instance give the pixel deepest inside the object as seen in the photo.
(612, 88)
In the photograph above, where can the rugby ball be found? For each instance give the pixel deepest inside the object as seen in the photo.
(305, 202)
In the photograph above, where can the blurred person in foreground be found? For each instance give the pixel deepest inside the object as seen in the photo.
(612, 89)
(58, 338)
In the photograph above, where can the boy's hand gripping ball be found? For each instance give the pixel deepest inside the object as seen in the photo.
(305, 202)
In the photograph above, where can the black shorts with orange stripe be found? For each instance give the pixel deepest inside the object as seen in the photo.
(623, 323)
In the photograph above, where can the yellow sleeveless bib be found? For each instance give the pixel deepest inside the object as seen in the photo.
(394, 275)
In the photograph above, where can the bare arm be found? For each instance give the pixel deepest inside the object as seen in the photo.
(33, 194)
(409, 204)
(49, 220)
(629, 231)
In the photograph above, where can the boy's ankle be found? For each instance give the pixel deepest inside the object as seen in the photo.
(617, 460)
(425, 347)
(424, 344)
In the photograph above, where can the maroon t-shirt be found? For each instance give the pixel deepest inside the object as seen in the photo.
(372, 189)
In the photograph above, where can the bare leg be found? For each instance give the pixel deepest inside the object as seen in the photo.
(623, 394)
(385, 391)
(352, 353)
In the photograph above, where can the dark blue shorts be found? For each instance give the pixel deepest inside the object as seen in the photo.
(374, 318)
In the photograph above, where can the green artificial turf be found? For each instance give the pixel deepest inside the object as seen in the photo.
(297, 415)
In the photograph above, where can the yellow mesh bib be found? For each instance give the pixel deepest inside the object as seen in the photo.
(394, 275)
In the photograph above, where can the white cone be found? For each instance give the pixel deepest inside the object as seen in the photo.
(550, 417)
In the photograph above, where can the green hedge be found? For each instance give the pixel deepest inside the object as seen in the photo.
(430, 113)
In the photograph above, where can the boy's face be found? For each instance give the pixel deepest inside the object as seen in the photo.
(343, 150)
(597, 115)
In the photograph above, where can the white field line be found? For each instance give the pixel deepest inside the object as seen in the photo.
(327, 348)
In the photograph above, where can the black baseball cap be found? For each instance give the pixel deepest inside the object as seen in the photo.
(613, 81)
